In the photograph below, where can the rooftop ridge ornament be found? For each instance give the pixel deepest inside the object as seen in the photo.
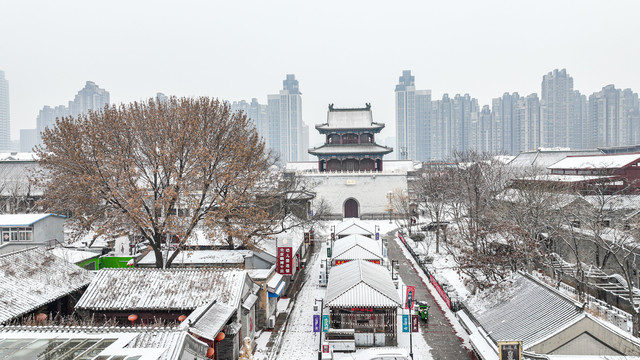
(367, 107)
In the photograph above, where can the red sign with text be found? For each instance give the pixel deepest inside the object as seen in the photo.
(285, 261)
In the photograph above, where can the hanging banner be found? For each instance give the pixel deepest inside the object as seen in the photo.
(377, 236)
(414, 323)
(325, 323)
(405, 323)
(409, 297)
(306, 238)
(316, 323)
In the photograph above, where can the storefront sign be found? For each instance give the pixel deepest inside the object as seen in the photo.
(409, 297)
(510, 350)
(362, 309)
(285, 261)
(440, 290)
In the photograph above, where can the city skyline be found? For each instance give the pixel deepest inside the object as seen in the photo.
(343, 53)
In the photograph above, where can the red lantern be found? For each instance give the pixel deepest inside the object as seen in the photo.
(220, 336)
(182, 318)
(132, 318)
(210, 352)
(41, 317)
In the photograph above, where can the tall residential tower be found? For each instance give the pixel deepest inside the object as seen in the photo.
(5, 129)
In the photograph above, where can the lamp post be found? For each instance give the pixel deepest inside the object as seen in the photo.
(390, 207)
(321, 327)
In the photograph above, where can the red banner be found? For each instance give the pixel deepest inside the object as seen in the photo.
(285, 261)
(410, 297)
(440, 290)
(402, 238)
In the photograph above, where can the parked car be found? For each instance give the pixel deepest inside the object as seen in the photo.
(385, 353)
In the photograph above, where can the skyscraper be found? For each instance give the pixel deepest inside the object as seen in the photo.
(413, 119)
(91, 97)
(5, 128)
(285, 121)
(555, 108)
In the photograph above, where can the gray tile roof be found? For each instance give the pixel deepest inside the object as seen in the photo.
(33, 277)
(356, 247)
(361, 283)
(162, 289)
(529, 312)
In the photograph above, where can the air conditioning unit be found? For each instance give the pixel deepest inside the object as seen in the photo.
(272, 322)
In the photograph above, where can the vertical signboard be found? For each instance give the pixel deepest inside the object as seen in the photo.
(316, 323)
(405, 323)
(285, 259)
(510, 350)
(325, 323)
(306, 238)
(414, 323)
(411, 294)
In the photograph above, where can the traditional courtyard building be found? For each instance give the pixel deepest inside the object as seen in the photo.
(350, 174)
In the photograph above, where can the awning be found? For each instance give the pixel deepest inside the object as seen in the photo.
(278, 290)
(274, 282)
(250, 300)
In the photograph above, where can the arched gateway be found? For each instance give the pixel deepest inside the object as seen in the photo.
(351, 208)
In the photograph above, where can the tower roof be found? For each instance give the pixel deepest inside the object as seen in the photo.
(349, 118)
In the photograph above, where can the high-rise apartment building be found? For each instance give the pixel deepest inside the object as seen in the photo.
(615, 115)
(89, 98)
(285, 122)
(555, 108)
(413, 119)
(527, 123)
(5, 126)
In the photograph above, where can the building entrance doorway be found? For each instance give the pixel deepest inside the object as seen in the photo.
(351, 208)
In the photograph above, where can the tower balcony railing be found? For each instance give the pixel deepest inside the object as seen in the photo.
(355, 172)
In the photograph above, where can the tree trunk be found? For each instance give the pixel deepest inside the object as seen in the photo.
(635, 319)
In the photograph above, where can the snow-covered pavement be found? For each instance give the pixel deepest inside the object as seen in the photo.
(299, 340)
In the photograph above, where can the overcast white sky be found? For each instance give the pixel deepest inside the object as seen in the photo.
(342, 52)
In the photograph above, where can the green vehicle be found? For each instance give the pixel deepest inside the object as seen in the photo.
(423, 310)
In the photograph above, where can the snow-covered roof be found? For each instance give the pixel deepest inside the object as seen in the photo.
(350, 149)
(72, 255)
(361, 118)
(161, 289)
(7, 220)
(18, 156)
(565, 178)
(32, 278)
(597, 161)
(361, 283)
(193, 257)
(354, 226)
(543, 158)
(354, 247)
(14, 177)
(529, 311)
(208, 320)
(151, 343)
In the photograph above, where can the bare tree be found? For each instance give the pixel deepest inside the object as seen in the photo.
(159, 170)
(401, 206)
(434, 192)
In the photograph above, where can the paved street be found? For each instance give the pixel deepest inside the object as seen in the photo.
(438, 332)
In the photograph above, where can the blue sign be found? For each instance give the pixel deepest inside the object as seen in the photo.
(316, 323)
(325, 323)
(405, 323)
(377, 236)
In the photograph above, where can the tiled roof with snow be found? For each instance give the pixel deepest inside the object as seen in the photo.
(596, 162)
(72, 255)
(208, 320)
(530, 312)
(361, 283)
(356, 247)
(565, 178)
(152, 342)
(189, 257)
(7, 220)
(543, 158)
(161, 289)
(32, 278)
(354, 226)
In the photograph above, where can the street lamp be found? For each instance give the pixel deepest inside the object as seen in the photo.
(390, 207)
(321, 326)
